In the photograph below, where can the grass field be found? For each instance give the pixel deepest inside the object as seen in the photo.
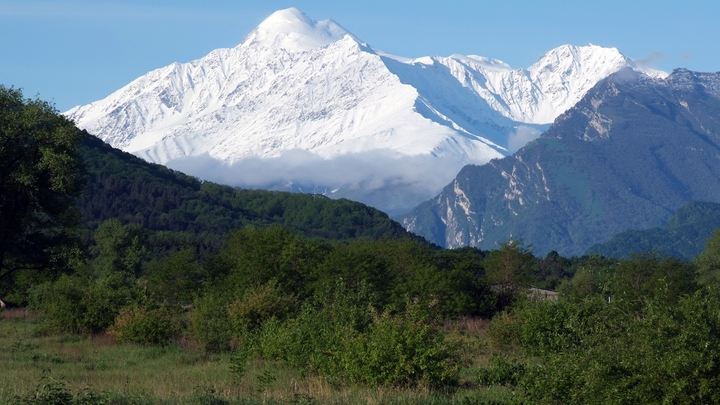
(94, 366)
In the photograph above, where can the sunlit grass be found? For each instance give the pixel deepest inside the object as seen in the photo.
(181, 375)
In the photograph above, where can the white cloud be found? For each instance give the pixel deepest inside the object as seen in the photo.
(380, 178)
(521, 136)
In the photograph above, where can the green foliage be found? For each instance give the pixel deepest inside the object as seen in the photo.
(343, 338)
(403, 350)
(125, 187)
(257, 256)
(548, 327)
(708, 261)
(395, 269)
(508, 269)
(643, 333)
(356, 262)
(661, 354)
(210, 323)
(40, 176)
(583, 284)
(54, 392)
(314, 340)
(50, 391)
(504, 329)
(649, 277)
(259, 305)
(501, 371)
(76, 304)
(683, 236)
(119, 248)
(90, 300)
(174, 280)
(459, 283)
(146, 325)
(550, 271)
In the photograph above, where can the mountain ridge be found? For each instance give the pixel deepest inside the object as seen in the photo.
(295, 86)
(627, 156)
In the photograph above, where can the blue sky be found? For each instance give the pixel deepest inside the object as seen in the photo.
(76, 52)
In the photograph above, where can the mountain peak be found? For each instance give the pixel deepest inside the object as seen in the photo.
(578, 54)
(287, 20)
(293, 30)
(311, 100)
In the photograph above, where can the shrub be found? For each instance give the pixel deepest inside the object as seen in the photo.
(504, 329)
(61, 302)
(210, 323)
(346, 340)
(54, 392)
(76, 304)
(313, 341)
(502, 371)
(146, 326)
(258, 305)
(663, 353)
(48, 391)
(402, 350)
(105, 298)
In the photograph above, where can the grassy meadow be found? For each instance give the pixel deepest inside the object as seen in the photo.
(97, 368)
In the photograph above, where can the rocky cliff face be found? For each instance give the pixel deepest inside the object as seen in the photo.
(627, 156)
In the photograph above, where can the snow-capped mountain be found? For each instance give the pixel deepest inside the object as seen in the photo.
(301, 102)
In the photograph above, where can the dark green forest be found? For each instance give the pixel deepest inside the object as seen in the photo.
(683, 236)
(120, 185)
(100, 243)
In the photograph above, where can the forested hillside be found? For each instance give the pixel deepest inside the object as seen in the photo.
(122, 186)
(683, 236)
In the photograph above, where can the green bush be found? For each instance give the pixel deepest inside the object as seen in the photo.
(77, 304)
(661, 353)
(502, 371)
(210, 323)
(547, 327)
(175, 279)
(258, 305)
(403, 350)
(54, 392)
(314, 340)
(105, 298)
(347, 340)
(61, 302)
(49, 391)
(146, 326)
(504, 329)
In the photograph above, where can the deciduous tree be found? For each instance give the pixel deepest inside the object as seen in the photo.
(40, 176)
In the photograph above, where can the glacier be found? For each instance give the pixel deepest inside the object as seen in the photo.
(305, 105)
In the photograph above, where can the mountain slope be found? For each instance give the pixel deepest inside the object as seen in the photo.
(684, 235)
(627, 156)
(308, 99)
(123, 186)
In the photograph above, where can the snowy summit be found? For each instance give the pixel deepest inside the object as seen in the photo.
(306, 105)
(292, 30)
